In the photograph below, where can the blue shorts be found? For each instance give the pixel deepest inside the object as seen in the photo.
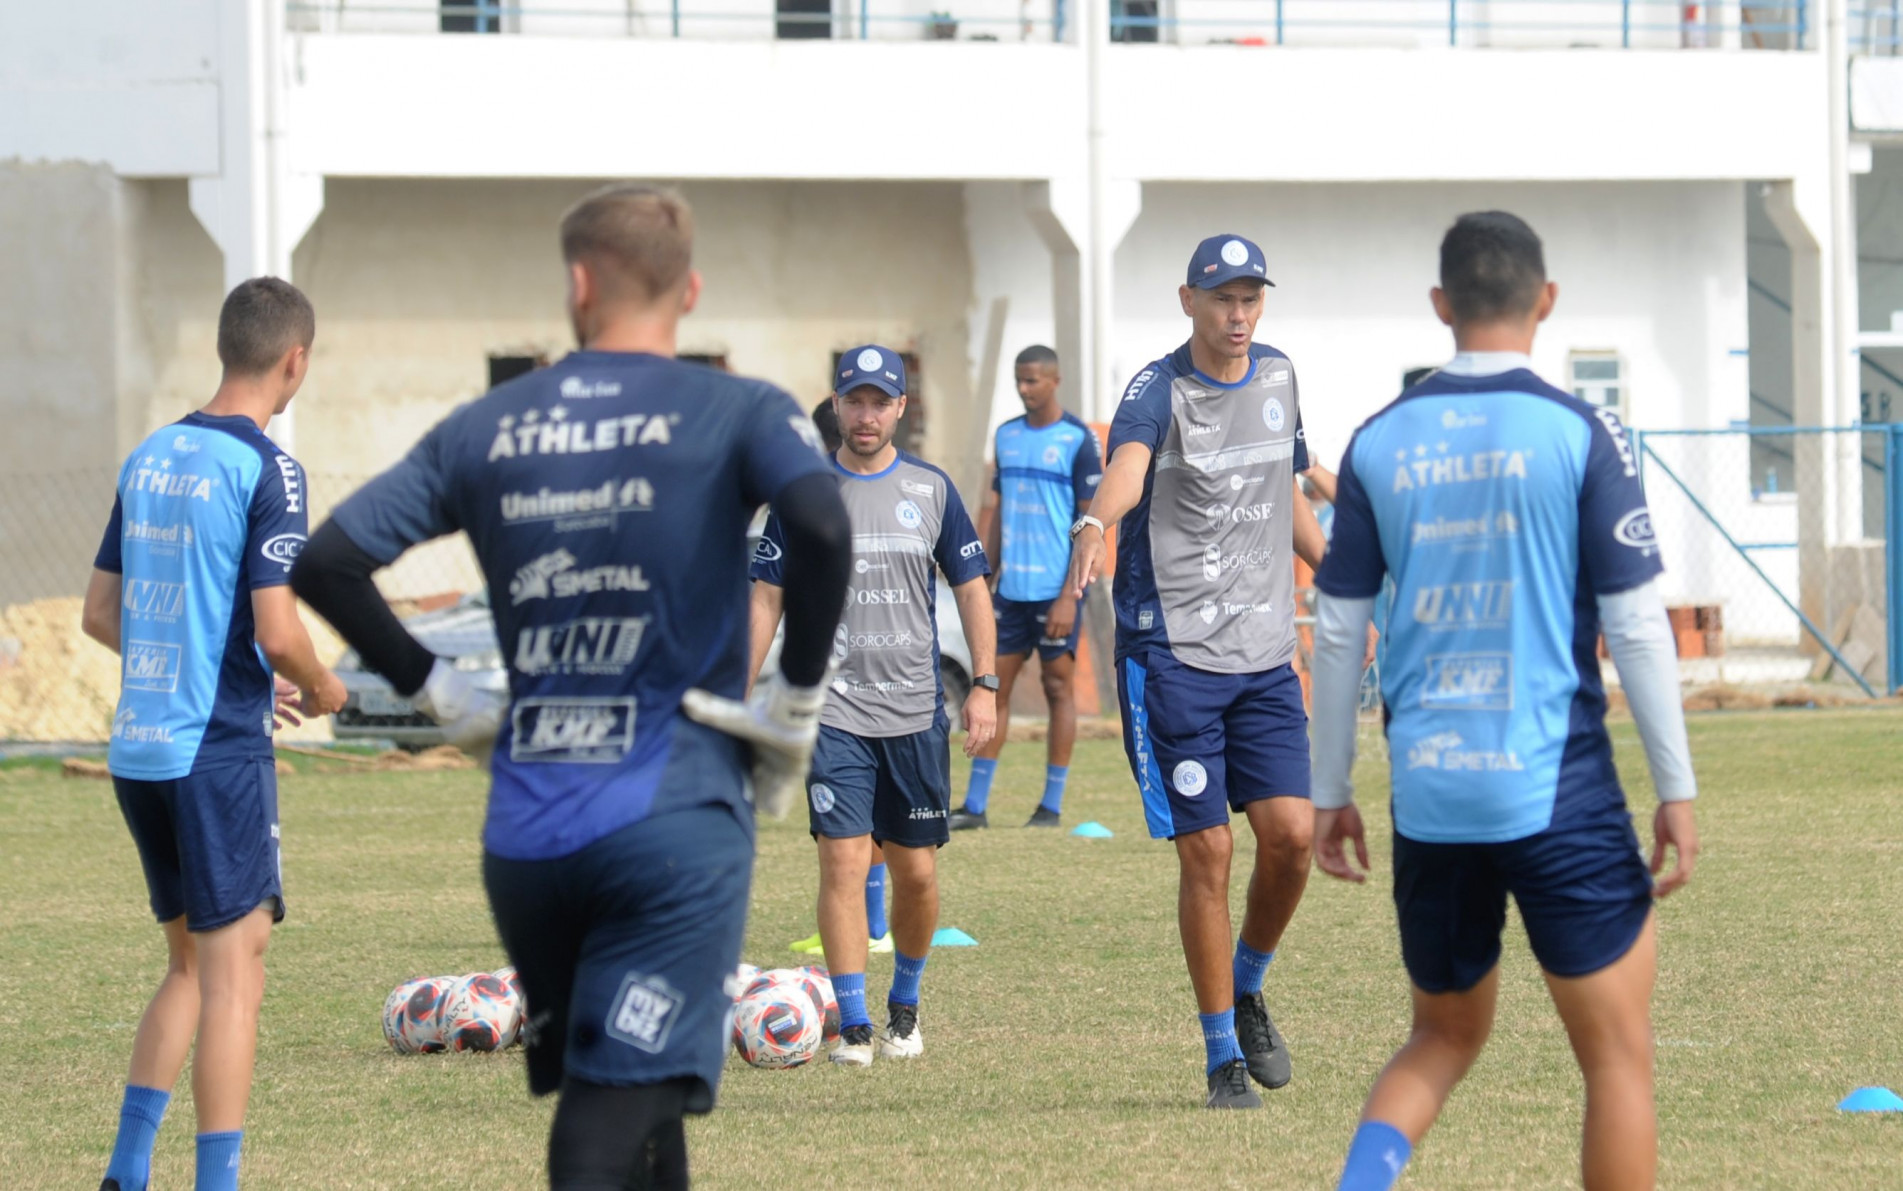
(896, 789)
(1202, 744)
(1021, 629)
(1583, 892)
(625, 947)
(208, 842)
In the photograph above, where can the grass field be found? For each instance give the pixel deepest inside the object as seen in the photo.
(1062, 1051)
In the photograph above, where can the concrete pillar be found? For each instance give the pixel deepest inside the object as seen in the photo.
(1080, 281)
(256, 209)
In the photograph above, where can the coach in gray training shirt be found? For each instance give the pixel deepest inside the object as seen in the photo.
(882, 769)
(1204, 450)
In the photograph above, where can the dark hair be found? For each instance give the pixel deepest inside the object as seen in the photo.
(826, 421)
(1037, 353)
(262, 319)
(1491, 267)
(639, 239)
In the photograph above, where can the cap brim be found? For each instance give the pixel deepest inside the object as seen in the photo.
(871, 382)
(1242, 274)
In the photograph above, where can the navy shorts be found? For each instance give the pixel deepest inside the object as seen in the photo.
(208, 842)
(625, 948)
(1583, 892)
(896, 789)
(1021, 629)
(1202, 744)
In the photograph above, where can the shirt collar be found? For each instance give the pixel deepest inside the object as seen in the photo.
(1487, 363)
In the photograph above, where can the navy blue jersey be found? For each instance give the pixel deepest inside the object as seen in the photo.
(608, 499)
(1205, 560)
(1501, 506)
(1044, 475)
(208, 510)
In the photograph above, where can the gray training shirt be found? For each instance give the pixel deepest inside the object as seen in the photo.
(1205, 561)
(907, 524)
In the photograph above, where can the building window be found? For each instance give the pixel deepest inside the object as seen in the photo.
(911, 433)
(469, 16)
(797, 20)
(1135, 21)
(1598, 378)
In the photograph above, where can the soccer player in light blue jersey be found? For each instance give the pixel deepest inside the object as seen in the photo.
(190, 588)
(1510, 518)
(1046, 468)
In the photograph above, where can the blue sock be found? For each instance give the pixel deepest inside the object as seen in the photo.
(218, 1161)
(876, 925)
(1054, 776)
(906, 972)
(849, 989)
(978, 793)
(1376, 1158)
(1219, 1038)
(1250, 967)
(139, 1117)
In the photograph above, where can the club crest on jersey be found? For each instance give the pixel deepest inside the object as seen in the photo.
(1190, 778)
(1273, 415)
(909, 515)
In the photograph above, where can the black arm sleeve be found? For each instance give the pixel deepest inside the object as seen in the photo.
(818, 568)
(332, 575)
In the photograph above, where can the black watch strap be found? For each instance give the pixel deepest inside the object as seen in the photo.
(987, 681)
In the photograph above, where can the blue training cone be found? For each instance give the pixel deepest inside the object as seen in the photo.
(1871, 1100)
(951, 936)
(1092, 830)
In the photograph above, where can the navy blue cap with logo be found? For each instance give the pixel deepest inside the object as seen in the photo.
(872, 365)
(1225, 258)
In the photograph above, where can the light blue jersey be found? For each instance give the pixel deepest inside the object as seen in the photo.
(1044, 473)
(208, 510)
(1501, 507)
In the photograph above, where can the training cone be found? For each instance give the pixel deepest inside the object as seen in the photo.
(951, 936)
(1871, 1100)
(1092, 830)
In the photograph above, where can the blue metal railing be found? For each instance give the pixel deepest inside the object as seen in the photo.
(1747, 24)
(1876, 27)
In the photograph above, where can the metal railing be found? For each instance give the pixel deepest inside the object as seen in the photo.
(1876, 27)
(1647, 24)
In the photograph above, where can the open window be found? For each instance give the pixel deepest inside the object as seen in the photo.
(1598, 379)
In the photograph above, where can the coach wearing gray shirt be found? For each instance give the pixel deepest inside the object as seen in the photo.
(1204, 450)
(882, 769)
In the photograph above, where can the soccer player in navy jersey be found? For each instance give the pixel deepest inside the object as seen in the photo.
(1510, 518)
(1204, 453)
(882, 771)
(1045, 469)
(190, 588)
(608, 498)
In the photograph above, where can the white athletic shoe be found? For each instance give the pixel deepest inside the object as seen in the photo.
(881, 945)
(901, 1039)
(854, 1048)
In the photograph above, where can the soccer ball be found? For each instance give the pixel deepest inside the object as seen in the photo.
(776, 1026)
(771, 978)
(480, 1012)
(819, 986)
(509, 976)
(742, 978)
(412, 1016)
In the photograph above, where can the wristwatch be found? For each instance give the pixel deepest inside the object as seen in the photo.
(987, 681)
(1077, 526)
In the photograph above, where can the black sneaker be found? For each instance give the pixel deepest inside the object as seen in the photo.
(1042, 817)
(1262, 1046)
(964, 820)
(1229, 1087)
(109, 1185)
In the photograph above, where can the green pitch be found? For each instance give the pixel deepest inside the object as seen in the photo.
(1062, 1051)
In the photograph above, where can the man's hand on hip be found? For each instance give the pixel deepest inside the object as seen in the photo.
(780, 723)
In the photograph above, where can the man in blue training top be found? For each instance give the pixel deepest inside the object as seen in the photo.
(607, 498)
(1204, 451)
(1045, 469)
(1510, 517)
(882, 770)
(191, 589)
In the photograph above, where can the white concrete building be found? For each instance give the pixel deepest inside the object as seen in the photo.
(957, 186)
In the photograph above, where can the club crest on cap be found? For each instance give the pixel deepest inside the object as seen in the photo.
(1235, 252)
(870, 360)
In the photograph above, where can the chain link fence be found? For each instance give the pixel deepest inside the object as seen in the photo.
(59, 687)
(1780, 552)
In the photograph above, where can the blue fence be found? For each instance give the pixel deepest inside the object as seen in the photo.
(1876, 27)
(1655, 24)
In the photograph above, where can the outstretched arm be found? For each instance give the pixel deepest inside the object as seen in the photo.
(1121, 489)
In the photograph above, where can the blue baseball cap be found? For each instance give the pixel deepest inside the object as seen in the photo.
(872, 365)
(1225, 258)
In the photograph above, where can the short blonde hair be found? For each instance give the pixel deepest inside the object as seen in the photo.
(638, 239)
